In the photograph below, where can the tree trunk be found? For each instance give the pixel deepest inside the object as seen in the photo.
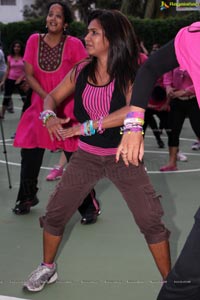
(150, 9)
(134, 7)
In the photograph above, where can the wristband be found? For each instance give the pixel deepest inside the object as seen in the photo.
(46, 115)
(99, 123)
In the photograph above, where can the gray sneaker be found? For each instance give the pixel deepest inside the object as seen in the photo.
(38, 278)
(196, 145)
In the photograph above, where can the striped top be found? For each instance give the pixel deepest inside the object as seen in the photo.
(96, 101)
(91, 103)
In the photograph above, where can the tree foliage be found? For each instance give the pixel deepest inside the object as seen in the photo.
(137, 8)
(134, 8)
(39, 8)
(109, 4)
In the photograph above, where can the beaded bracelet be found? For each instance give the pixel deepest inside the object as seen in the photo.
(129, 129)
(100, 123)
(87, 128)
(135, 114)
(134, 121)
(82, 129)
(46, 115)
(91, 128)
(129, 126)
(134, 129)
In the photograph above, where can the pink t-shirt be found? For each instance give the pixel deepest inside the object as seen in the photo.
(179, 79)
(16, 68)
(142, 58)
(187, 47)
(50, 66)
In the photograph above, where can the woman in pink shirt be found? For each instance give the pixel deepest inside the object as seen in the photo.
(48, 58)
(183, 103)
(14, 76)
(183, 282)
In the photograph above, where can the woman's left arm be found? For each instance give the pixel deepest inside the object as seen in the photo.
(114, 119)
(159, 63)
(52, 101)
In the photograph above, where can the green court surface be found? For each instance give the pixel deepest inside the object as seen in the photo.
(107, 260)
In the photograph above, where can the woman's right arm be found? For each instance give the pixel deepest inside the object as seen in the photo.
(33, 82)
(65, 89)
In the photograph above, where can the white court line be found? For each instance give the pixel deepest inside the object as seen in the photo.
(11, 298)
(196, 153)
(18, 165)
(165, 137)
(174, 172)
(149, 172)
(146, 151)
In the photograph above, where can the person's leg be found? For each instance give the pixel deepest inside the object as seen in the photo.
(147, 117)
(27, 102)
(163, 120)
(134, 185)
(8, 90)
(161, 254)
(82, 173)
(176, 119)
(21, 91)
(57, 171)
(183, 282)
(31, 161)
(90, 208)
(171, 166)
(156, 131)
(150, 120)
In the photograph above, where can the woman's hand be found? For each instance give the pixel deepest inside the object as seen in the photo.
(55, 129)
(131, 148)
(72, 131)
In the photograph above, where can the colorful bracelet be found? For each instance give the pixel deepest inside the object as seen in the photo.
(133, 121)
(87, 128)
(82, 129)
(129, 129)
(99, 124)
(129, 126)
(135, 114)
(46, 115)
(91, 128)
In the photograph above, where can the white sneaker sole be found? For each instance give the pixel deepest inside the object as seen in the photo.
(51, 280)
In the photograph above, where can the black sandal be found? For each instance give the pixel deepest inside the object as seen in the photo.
(90, 216)
(23, 208)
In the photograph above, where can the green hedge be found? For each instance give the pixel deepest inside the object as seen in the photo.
(19, 31)
(149, 30)
(160, 30)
